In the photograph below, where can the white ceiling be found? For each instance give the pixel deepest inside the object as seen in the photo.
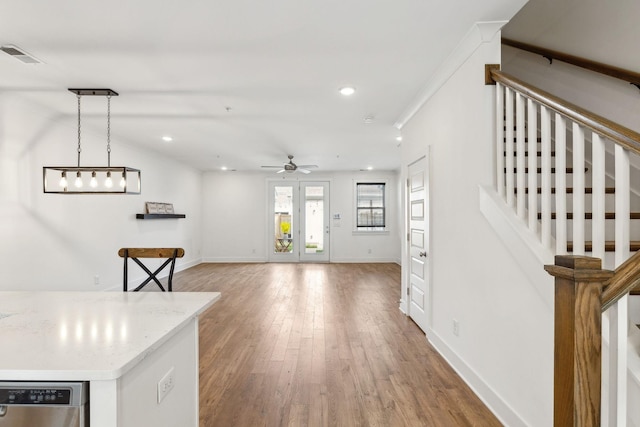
(278, 65)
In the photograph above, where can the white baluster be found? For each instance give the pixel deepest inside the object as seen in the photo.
(618, 314)
(623, 210)
(545, 126)
(532, 135)
(618, 343)
(520, 158)
(508, 147)
(500, 145)
(598, 196)
(561, 184)
(578, 189)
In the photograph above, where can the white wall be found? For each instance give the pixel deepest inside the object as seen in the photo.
(607, 32)
(235, 218)
(61, 242)
(505, 346)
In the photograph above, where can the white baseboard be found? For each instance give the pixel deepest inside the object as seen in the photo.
(234, 260)
(364, 260)
(489, 397)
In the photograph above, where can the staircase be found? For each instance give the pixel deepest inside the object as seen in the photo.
(609, 244)
(563, 178)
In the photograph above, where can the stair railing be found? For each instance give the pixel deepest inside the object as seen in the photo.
(547, 149)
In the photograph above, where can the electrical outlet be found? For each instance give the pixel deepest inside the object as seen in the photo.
(96, 280)
(369, 251)
(165, 385)
(456, 328)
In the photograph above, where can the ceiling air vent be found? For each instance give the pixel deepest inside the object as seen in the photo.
(20, 54)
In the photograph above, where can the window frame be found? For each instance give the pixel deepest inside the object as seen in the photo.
(371, 229)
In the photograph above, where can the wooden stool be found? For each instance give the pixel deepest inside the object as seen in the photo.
(134, 253)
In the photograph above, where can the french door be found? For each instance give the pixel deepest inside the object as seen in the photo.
(299, 221)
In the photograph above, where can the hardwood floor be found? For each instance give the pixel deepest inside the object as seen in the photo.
(319, 345)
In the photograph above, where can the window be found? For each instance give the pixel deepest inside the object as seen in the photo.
(370, 206)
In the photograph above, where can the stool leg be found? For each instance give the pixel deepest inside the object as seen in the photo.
(126, 264)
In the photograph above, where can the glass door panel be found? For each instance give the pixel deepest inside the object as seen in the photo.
(282, 241)
(316, 221)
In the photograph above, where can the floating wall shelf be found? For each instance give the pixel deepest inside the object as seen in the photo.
(159, 216)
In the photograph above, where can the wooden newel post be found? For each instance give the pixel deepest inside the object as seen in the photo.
(578, 331)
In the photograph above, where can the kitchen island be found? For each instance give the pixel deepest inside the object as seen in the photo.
(138, 351)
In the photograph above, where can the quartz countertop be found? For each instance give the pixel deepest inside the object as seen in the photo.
(84, 336)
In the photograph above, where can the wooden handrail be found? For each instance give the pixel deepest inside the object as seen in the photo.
(608, 70)
(625, 278)
(621, 135)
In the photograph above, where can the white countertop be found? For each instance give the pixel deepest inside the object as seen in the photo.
(84, 336)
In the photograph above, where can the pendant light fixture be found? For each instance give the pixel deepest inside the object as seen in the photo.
(92, 179)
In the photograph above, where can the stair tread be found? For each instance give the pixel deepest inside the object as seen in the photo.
(569, 190)
(589, 215)
(539, 170)
(538, 153)
(526, 139)
(609, 246)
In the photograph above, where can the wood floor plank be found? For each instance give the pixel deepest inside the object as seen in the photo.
(319, 345)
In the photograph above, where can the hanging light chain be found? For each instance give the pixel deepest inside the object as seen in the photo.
(79, 147)
(109, 130)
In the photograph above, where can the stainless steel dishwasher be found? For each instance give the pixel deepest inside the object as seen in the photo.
(44, 404)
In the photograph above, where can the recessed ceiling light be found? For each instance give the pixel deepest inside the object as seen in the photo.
(399, 138)
(167, 138)
(369, 168)
(369, 118)
(347, 90)
(224, 168)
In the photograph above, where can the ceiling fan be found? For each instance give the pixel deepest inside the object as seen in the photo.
(291, 167)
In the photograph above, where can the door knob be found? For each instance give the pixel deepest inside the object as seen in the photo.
(423, 254)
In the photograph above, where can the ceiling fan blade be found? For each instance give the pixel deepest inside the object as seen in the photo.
(303, 170)
(281, 170)
(308, 166)
(272, 167)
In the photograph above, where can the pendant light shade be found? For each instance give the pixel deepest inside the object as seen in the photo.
(92, 179)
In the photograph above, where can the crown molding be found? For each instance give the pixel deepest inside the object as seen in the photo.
(478, 34)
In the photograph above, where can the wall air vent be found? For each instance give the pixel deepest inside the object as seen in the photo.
(20, 54)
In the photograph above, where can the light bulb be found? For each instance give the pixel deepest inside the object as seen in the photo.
(123, 181)
(108, 182)
(63, 180)
(94, 182)
(78, 182)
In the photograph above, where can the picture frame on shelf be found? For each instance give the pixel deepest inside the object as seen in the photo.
(168, 207)
(152, 207)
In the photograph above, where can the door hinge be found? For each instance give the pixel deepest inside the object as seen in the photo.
(408, 183)
(408, 237)
(407, 291)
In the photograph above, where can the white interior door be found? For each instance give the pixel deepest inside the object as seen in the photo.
(418, 253)
(299, 221)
